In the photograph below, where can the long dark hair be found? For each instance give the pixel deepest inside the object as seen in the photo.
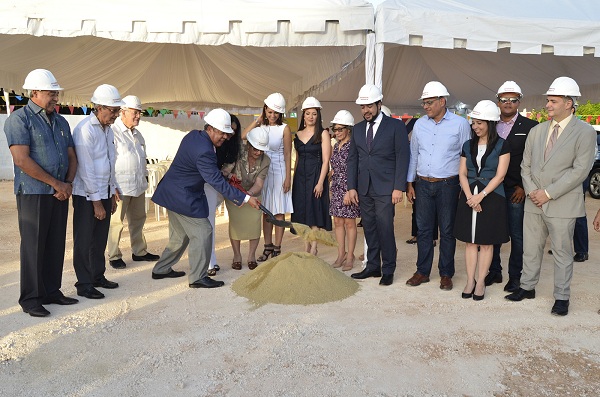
(265, 121)
(492, 136)
(229, 151)
(318, 127)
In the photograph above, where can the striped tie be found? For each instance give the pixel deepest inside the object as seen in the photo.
(551, 141)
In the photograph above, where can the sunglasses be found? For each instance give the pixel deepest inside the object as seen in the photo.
(340, 129)
(507, 100)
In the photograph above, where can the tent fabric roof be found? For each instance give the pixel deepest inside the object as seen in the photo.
(186, 55)
(568, 28)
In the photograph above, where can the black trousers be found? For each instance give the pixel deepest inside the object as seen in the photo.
(89, 241)
(377, 215)
(43, 228)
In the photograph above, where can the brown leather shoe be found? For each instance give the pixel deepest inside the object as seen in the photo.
(417, 279)
(446, 283)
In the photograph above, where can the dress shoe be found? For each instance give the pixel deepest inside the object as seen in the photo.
(171, 274)
(521, 294)
(39, 311)
(560, 308)
(366, 274)
(478, 297)
(513, 284)
(148, 257)
(207, 282)
(90, 293)
(581, 257)
(446, 283)
(118, 263)
(492, 278)
(468, 296)
(386, 279)
(104, 283)
(59, 300)
(417, 279)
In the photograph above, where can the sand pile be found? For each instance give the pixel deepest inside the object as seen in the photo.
(294, 278)
(308, 234)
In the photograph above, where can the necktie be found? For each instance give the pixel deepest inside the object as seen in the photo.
(551, 141)
(370, 135)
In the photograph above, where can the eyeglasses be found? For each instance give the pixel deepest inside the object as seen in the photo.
(507, 100)
(340, 129)
(428, 103)
(113, 110)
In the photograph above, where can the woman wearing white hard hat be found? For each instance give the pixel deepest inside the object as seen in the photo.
(277, 196)
(481, 213)
(248, 173)
(344, 216)
(310, 192)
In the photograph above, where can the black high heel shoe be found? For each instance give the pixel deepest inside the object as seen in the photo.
(478, 297)
(467, 296)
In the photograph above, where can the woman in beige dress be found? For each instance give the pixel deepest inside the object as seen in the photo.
(249, 173)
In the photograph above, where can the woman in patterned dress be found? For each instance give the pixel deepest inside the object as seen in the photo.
(344, 215)
(276, 192)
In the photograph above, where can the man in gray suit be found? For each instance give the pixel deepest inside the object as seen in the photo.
(557, 158)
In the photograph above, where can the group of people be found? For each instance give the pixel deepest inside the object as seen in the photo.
(502, 177)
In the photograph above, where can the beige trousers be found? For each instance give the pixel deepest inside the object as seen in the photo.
(135, 210)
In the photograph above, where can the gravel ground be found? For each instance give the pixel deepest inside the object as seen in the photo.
(161, 338)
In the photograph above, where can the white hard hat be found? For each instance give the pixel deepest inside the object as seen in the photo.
(509, 86)
(385, 110)
(132, 102)
(434, 89)
(41, 79)
(219, 119)
(485, 110)
(343, 117)
(564, 86)
(369, 94)
(311, 102)
(276, 101)
(258, 138)
(107, 95)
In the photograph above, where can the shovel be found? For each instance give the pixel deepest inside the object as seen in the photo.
(277, 222)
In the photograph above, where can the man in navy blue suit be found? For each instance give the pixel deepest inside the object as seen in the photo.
(181, 192)
(377, 170)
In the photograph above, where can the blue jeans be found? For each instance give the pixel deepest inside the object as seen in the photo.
(515, 214)
(580, 237)
(436, 200)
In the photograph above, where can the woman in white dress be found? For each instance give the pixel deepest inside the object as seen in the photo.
(276, 192)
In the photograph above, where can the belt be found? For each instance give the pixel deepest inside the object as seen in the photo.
(428, 179)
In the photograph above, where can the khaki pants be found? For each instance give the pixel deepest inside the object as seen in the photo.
(135, 210)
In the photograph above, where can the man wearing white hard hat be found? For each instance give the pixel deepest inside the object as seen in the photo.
(94, 191)
(131, 177)
(42, 185)
(379, 149)
(435, 147)
(513, 128)
(181, 192)
(557, 158)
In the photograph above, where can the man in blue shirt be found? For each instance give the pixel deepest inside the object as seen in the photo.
(45, 163)
(435, 147)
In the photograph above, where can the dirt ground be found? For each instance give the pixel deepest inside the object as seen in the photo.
(162, 338)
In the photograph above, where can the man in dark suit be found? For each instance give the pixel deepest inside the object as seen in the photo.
(181, 192)
(377, 169)
(513, 128)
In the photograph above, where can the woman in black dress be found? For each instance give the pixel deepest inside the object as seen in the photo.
(310, 189)
(481, 212)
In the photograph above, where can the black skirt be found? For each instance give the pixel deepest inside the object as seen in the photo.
(491, 224)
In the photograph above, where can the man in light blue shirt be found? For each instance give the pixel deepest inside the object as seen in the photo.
(435, 147)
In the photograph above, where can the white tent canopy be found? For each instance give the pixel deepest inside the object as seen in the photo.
(185, 54)
(473, 47)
